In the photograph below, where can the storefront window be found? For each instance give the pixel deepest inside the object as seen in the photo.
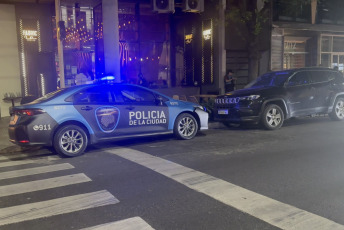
(326, 42)
(338, 44)
(325, 60)
(144, 45)
(294, 54)
(332, 51)
(330, 11)
(78, 45)
(292, 11)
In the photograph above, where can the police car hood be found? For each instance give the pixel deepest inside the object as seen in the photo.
(183, 103)
(251, 91)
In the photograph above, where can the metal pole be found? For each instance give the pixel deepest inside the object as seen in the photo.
(59, 44)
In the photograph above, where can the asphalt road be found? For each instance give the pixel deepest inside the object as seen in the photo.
(251, 175)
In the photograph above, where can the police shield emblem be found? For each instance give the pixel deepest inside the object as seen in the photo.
(107, 118)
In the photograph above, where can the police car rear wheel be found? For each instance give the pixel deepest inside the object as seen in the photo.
(70, 141)
(185, 126)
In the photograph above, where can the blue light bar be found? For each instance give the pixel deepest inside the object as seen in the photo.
(107, 78)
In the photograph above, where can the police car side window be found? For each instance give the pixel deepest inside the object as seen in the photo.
(93, 96)
(136, 95)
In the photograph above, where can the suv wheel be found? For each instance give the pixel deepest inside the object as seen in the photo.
(185, 126)
(70, 141)
(272, 117)
(337, 113)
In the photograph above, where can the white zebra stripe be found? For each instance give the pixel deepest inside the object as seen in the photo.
(24, 162)
(34, 171)
(2, 158)
(54, 207)
(135, 223)
(38, 185)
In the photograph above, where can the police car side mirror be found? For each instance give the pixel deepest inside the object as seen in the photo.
(159, 100)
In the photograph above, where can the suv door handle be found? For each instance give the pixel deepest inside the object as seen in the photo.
(87, 108)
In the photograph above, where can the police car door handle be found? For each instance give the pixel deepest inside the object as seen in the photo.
(130, 107)
(87, 108)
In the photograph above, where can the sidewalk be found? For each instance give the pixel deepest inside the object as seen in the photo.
(4, 140)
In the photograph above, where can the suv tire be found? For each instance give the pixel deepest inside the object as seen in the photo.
(272, 117)
(70, 141)
(337, 113)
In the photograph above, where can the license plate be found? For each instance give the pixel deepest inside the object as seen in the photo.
(13, 120)
(222, 111)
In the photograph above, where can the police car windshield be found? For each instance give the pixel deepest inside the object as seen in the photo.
(269, 79)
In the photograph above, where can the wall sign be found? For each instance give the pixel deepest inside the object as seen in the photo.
(207, 34)
(30, 35)
(188, 38)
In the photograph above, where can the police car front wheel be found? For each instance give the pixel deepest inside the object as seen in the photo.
(185, 126)
(70, 141)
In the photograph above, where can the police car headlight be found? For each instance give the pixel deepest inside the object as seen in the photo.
(250, 98)
(200, 107)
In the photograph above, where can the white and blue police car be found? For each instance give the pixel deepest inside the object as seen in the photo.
(70, 119)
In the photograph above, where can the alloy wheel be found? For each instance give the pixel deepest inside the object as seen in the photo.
(186, 126)
(273, 117)
(340, 109)
(71, 141)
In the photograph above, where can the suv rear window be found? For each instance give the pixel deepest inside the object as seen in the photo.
(320, 76)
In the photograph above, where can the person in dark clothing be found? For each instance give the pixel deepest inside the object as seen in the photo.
(229, 82)
(142, 80)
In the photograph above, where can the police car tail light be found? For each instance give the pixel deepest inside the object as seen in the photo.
(24, 141)
(28, 112)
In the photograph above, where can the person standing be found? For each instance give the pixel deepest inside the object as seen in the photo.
(142, 80)
(229, 81)
(81, 78)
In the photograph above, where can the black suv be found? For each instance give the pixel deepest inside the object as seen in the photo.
(276, 96)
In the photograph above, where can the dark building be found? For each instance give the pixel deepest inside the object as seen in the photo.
(179, 47)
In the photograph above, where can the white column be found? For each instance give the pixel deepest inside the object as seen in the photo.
(314, 4)
(111, 38)
(222, 43)
(59, 44)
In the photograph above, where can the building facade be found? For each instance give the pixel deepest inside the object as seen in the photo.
(174, 46)
(177, 49)
(309, 35)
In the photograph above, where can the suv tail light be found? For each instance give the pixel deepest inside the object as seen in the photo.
(28, 112)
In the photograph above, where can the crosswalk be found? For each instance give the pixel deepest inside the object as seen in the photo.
(271, 211)
(59, 205)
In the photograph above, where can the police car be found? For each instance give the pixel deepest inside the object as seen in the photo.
(69, 119)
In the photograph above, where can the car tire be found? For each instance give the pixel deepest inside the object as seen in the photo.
(185, 126)
(337, 113)
(70, 141)
(272, 117)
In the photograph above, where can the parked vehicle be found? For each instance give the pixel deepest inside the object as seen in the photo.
(70, 119)
(276, 96)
